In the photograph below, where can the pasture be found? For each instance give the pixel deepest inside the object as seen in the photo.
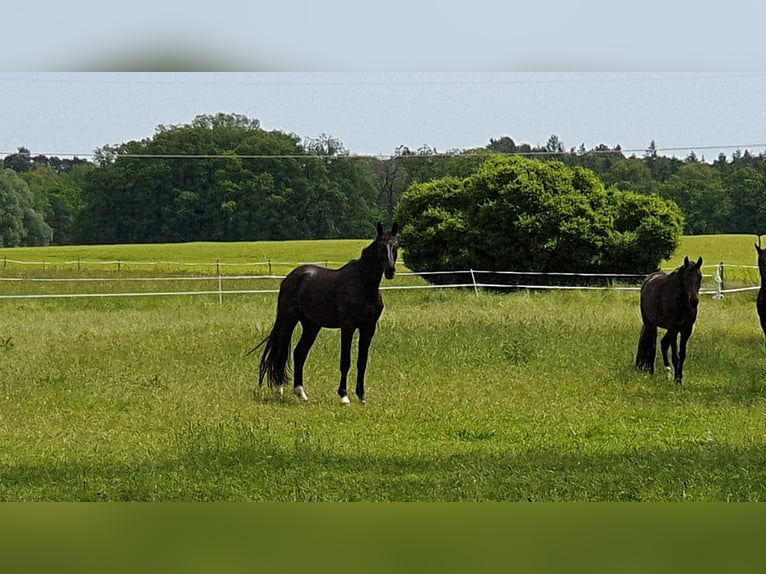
(522, 396)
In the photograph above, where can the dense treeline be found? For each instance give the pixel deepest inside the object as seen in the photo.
(223, 177)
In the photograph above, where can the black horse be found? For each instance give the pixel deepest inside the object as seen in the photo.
(347, 299)
(669, 301)
(760, 302)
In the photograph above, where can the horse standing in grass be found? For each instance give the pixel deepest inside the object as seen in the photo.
(760, 302)
(669, 301)
(347, 299)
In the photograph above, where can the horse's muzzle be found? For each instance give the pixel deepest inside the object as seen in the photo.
(389, 272)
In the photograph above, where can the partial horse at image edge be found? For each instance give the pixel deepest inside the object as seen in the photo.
(760, 302)
(348, 299)
(669, 301)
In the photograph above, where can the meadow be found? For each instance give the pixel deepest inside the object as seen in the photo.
(519, 396)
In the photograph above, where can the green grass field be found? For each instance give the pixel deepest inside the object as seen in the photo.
(496, 397)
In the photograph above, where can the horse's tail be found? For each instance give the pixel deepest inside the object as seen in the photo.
(647, 348)
(274, 366)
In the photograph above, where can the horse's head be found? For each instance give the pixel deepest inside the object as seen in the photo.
(690, 276)
(387, 249)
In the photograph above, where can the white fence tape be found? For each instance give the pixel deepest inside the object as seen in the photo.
(220, 291)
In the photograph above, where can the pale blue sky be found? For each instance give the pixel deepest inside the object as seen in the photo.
(372, 113)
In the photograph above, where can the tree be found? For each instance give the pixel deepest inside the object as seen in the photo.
(226, 179)
(390, 178)
(19, 162)
(502, 145)
(56, 188)
(698, 190)
(554, 145)
(746, 190)
(651, 152)
(20, 224)
(630, 175)
(325, 145)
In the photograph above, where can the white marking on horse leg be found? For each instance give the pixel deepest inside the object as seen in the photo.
(280, 391)
(344, 400)
(669, 372)
(300, 393)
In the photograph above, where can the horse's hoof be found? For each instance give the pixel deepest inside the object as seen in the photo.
(281, 391)
(344, 400)
(300, 393)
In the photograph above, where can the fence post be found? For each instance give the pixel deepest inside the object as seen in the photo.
(220, 290)
(475, 287)
(719, 281)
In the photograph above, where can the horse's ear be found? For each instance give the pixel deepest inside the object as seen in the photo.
(686, 261)
(380, 229)
(394, 228)
(699, 262)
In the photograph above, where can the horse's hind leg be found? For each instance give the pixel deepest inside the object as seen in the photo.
(274, 362)
(346, 338)
(647, 348)
(308, 336)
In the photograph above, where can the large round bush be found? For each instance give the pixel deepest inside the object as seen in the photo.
(522, 214)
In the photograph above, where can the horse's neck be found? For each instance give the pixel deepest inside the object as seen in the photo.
(370, 270)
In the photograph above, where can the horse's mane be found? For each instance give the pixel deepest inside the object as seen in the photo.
(676, 273)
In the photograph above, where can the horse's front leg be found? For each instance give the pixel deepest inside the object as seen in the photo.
(365, 338)
(667, 340)
(685, 334)
(346, 338)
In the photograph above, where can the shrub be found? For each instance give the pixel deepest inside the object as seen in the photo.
(522, 214)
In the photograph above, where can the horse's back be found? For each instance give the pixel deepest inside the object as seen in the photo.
(655, 308)
(328, 297)
(308, 278)
(653, 286)
(313, 293)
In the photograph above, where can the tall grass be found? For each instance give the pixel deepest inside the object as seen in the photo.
(514, 397)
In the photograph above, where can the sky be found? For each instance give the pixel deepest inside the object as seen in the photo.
(372, 113)
(595, 72)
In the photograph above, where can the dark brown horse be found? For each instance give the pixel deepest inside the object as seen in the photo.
(760, 302)
(669, 301)
(347, 299)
